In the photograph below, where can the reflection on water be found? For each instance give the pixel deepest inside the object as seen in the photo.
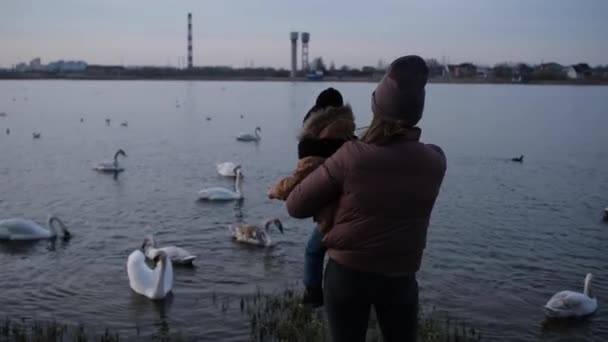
(504, 236)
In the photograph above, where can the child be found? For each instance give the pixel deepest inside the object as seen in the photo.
(327, 126)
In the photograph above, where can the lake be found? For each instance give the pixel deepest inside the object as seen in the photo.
(504, 236)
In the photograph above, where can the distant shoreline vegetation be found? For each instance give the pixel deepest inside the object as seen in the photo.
(272, 317)
(287, 79)
(519, 73)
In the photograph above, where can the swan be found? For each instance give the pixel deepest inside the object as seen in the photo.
(227, 169)
(250, 137)
(111, 166)
(125, 124)
(253, 234)
(519, 160)
(223, 194)
(22, 229)
(572, 304)
(153, 283)
(36, 135)
(177, 255)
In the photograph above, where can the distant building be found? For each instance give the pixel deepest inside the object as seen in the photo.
(579, 71)
(484, 72)
(36, 64)
(21, 67)
(464, 70)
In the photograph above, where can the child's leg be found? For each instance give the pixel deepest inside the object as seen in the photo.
(313, 260)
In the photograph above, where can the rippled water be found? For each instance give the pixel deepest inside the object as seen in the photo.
(504, 236)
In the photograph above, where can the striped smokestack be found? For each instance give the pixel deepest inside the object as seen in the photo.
(189, 40)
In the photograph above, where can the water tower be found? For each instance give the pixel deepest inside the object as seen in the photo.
(294, 53)
(305, 40)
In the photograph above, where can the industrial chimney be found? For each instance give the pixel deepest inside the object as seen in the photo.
(294, 53)
(189, 40)
(305, 40)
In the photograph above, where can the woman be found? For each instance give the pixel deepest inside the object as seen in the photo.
(326, 127)
(386, 185)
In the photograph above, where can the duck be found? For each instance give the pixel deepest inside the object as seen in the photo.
(227, 169)
(519, 159)
(36, 135)
(81, 119)
(108, 122)
(2, 114)
(254, 234)
(154, 283)
(8, 131)
(111, 166)
(223, 194)
(125, 124)
(250, 137)
(566, 304)
(18, 229)
(177, 255)
(606, 214)
(208, 118)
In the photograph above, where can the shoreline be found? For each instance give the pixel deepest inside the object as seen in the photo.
(286, 79)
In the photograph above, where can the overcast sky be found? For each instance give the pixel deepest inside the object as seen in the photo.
(353, 32)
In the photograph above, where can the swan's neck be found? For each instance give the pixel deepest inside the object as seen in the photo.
(159, 288)
(116, 159)
(52, 228)
(587, 289)
(237, 183)
(257, 135)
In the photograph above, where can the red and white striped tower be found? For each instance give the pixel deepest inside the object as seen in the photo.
(189, 40)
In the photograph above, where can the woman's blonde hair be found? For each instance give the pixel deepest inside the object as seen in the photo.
(381, 132)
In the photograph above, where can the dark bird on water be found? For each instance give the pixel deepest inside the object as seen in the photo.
(36, 135)
(108, 122)
(208, 118)
(606, 214)
(8, 131)
(518, 160)
(81, 120)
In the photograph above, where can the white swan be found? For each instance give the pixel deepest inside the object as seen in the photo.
(22, 229)
(253, 234)
(227, 169)
(153, 283)
(111, 166)
(572, 304)
(250, 137)
(223, 194)
(177, 255)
